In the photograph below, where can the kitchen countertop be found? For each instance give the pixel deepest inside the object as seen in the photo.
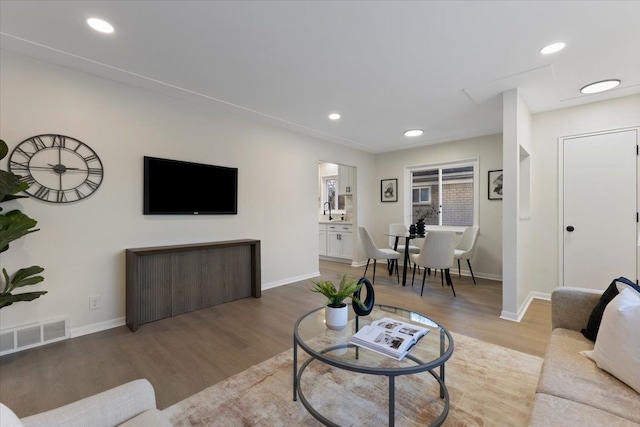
(336, 222)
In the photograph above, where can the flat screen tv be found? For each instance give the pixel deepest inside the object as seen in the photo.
(173, 187)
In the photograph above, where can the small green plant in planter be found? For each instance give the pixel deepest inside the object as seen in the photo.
(336, 296)
(336, 312)
(14, 225)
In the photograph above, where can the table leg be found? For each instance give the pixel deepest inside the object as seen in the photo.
(406, 261)
(442, 366)
(295, 368)
(392, 400)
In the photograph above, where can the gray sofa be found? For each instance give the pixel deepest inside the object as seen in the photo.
(130, 405)
(572, 390)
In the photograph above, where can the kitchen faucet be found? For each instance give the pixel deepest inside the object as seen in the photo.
(324, 211)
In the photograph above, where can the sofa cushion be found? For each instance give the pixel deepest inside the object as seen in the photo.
(617, 348)
(593, 325)
(568, 374)
(551, 410)
(150, 418)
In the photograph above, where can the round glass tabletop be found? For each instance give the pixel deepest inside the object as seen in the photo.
(333, 347)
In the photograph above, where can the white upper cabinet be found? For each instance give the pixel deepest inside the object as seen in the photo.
(346, 179)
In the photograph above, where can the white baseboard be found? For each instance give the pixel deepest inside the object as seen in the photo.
(270, 285)
(517, 317)
(97, 327)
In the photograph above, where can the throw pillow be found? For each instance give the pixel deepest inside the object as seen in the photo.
(591, 331)
(623, 282)
(617, 348)
(8, 418)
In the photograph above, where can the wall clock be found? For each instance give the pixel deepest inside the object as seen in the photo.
(58, 168)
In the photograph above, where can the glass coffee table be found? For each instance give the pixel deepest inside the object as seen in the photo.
(332, 348)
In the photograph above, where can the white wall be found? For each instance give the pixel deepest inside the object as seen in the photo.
(516, 229)
(81, 245)
(488, 149)
(547, 129)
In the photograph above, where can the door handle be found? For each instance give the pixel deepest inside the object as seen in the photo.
(570, 228)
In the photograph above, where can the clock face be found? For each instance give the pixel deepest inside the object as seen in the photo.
(58, 168)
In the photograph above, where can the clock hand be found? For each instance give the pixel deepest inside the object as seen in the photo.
(67, 168)
(41, 168)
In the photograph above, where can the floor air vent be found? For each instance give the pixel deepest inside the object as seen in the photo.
(33, 335)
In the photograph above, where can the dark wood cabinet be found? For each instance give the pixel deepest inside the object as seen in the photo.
(165, 281)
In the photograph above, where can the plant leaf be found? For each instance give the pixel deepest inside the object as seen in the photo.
(26, 277)
(4, 150)
(10, 184)
(8, 299)
(14, 225)
(7, 281)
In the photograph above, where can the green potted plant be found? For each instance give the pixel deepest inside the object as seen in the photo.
(336, 311)
(14, 225)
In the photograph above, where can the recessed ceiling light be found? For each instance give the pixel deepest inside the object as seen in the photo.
(334, 116)
(100, 25)
(600, 86)
(552, 48)
(414, 132)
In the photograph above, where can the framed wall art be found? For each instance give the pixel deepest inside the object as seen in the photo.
(495, 185)
(389, 190)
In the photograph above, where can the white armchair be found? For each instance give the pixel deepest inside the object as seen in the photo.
(129, 405)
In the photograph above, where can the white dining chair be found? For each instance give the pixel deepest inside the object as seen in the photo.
(466, 247)
(436, 253)
(374, 253)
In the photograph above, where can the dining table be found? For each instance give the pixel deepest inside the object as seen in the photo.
(406, 262)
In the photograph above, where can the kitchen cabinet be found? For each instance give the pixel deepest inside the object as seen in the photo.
(323, 239)
(336, 240)
(346, 179)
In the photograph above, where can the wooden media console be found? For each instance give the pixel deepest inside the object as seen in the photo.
(166, 281)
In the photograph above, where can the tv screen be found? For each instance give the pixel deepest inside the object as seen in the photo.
(173, 187)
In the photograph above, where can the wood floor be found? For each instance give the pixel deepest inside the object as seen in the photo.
(185, 354)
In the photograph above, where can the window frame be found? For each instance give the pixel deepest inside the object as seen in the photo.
(408, 189)
(325, 195)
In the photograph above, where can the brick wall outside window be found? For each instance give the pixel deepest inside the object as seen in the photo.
(457, 205)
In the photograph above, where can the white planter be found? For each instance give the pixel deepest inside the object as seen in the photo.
(336, 318)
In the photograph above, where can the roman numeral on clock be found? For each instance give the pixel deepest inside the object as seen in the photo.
(59, 141)
(42, 193)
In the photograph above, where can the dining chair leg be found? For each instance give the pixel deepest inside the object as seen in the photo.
(414, 275)
(449, 281)
(424, 276)
(366, 268)
(373, 281)
(459, 268)
(471, 270)
(398, 274)
(441, 278)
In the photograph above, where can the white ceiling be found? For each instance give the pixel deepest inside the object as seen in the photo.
(386, 66)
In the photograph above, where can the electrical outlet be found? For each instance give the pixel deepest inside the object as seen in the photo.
(94, 302)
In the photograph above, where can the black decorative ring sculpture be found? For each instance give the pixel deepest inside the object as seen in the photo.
(368, 302)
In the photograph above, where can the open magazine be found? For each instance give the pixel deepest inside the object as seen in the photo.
(390, 337)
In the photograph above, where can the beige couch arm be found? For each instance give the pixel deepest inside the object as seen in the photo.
(571, 307)
(107, 409)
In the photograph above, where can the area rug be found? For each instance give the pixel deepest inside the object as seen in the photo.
(488, 385)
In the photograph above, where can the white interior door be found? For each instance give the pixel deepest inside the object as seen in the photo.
(600, 191)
